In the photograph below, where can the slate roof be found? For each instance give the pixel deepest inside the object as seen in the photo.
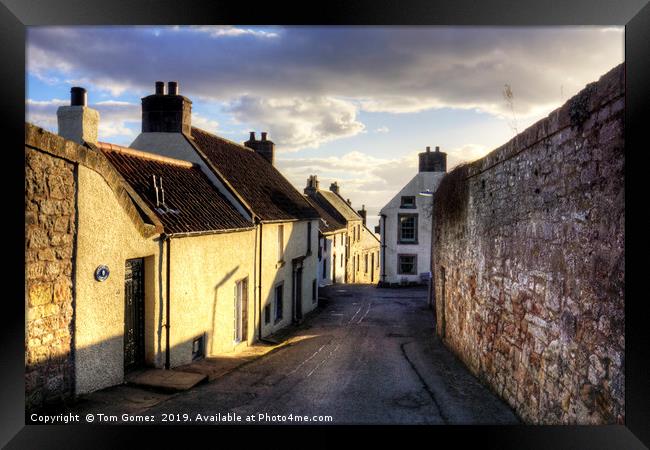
(340, 205)
(194, 203)
(270, 195)
(330, 221)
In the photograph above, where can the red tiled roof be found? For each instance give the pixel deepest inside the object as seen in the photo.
(194, 203)
(329, 222)
(262, 186)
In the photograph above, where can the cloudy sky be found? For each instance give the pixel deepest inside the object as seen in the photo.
(353, 104)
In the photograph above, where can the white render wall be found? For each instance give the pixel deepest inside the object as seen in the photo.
(328, 254)
(389, 228)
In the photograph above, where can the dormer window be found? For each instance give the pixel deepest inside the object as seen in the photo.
(408, 202)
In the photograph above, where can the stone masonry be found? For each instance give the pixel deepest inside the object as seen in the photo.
(50, 228)
(528, 260)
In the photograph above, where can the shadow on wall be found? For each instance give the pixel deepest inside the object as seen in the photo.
(215, 302)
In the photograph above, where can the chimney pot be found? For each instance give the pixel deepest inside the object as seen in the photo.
(264, 135)
(428, 149)
(172, 88)
(160, 88)
(78, 96)
(437, 149)
(252, 136)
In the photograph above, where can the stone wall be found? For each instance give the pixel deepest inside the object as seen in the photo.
(528, 260)
(51, 231)
(50, 211)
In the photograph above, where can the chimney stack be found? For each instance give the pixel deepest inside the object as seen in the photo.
(264, 147)
(160, 88)
(312, 185)
(433, 161)
(363, 213)
(78, 122)
(166, 113)
(334, 187)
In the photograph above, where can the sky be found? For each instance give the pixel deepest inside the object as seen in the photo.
(349, 104)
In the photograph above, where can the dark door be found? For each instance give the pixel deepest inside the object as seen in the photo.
(134, 314)
(334, 268)
(372, 267)
(298, 297)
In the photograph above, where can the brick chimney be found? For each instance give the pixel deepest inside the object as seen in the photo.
(166, 112)
(263, 147)
(78, 122)
(334, 187)
(312, 185)
(363, 213)
(433, 161)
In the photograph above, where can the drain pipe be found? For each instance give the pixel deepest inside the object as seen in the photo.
(259, 285)
(383, 251)
(168, 301)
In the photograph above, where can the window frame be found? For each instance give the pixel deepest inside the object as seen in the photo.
(415, 263)
(402, 204)
(415, 216)
(281, 243)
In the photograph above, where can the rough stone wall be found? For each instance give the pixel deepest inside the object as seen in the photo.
(528, 259)
(50, 227)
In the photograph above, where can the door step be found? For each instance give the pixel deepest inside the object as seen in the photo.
(165, 380)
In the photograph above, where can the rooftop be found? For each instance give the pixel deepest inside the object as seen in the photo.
(271, 196)
(191, 202)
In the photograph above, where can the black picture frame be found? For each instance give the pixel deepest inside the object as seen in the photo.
(15, 15)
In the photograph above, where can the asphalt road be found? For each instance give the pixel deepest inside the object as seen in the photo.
(365, 356)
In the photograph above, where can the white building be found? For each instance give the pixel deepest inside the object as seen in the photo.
(405, 224)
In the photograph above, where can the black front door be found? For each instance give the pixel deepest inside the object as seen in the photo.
(134, 314)
(298, 295)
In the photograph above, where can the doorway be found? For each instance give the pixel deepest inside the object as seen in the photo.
(133, 314)
(297, 298)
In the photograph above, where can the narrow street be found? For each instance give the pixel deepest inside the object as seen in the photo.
(365, 356)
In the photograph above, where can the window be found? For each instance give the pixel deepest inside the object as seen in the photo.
(407, 264)
(324, 269)
(197, 348)
(267, 314)
(314, 292)
(279, 291)
(408, 202)
(308, 238)
(366, 264)
(241, 310)
(408, 229)
(341, 264)
(280, 242)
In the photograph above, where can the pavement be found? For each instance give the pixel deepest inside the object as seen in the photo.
(364, 356)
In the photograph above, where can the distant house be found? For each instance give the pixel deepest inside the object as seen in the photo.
(405, 223)
(191, 246)
(347, 242)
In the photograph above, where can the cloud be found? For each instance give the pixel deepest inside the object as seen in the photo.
(348, 69)
(367, 179)
(383, 129)
(297, 123)
(217, 31)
